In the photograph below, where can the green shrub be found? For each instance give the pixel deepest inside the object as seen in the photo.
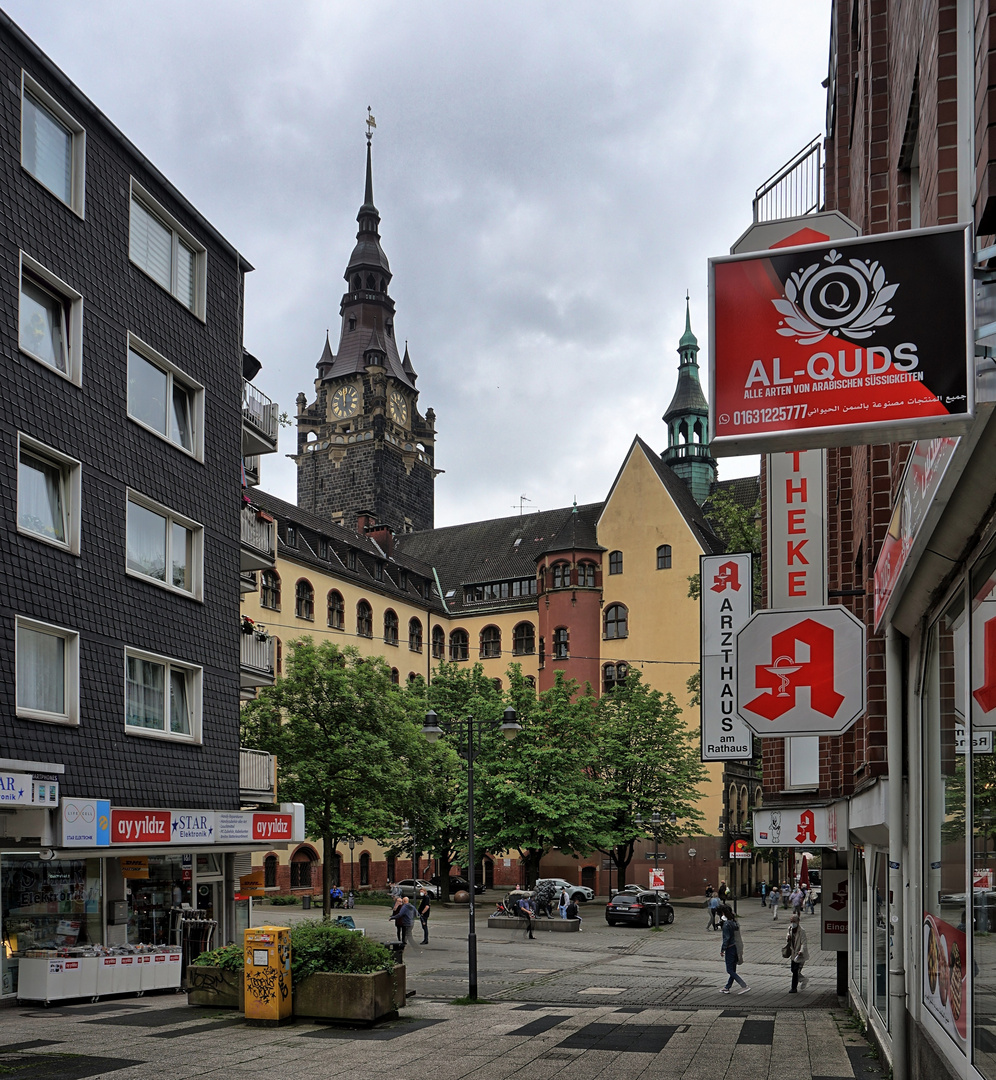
(317, 945)
(228, 957)
(283, 901)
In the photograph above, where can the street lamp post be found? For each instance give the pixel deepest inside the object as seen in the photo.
(469, 730)
(655, 829)
(352, 844)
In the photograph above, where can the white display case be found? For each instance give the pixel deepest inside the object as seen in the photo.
(59, 978)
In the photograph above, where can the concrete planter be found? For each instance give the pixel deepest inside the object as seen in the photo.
(556, 926)
(362, 999)
(215, 987)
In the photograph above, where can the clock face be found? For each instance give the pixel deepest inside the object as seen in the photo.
(399, 407)
(344, 401)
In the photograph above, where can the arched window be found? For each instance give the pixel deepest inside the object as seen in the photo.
(390, 627)
(586, 575)
(459, 645)
(395, 676)
(300, 868)
(337, 610)
(411, 677)
(561, 643)
(664, 557)
(415, 635)
(561, 575)
(616, 621)
(523, 639)
(390, 866)
(304, 600)
(490, 642)
(497, 684)
(613, 675)
(438, 643)
(364, 619)
(615, 562)
(365, 868)
(531, 679)
(270, 864)
(269, 590)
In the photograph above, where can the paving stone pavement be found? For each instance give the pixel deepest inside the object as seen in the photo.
(619, 1002)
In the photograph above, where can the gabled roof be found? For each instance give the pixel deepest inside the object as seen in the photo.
(680, 496)
(743, 490)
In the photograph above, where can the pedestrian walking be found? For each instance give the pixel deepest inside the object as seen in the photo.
(526, 912)
(764, 894)
(732, 950)
(724, 893)
(564, 901)
(399, 901)
(714, 906)
(796, 951)
(572, 912)
(424, 909)
(775, 897)
(404, 919)
(809, 901)
(796, 900)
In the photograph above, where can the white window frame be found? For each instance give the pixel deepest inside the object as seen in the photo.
(194, 696)
(196, 590)
(71, 695)
(194, 389)
(77, 183)
(71, 470)
(169, 222)
(74, 300)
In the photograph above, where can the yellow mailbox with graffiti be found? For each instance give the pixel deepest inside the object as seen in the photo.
(268, 974)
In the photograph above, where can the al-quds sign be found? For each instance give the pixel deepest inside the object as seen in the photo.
(867, 340)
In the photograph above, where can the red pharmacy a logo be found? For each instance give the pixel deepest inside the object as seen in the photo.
(785, 675)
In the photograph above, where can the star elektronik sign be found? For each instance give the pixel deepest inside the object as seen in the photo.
(867, 340)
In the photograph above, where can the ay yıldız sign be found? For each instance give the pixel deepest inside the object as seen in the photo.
(853, 341)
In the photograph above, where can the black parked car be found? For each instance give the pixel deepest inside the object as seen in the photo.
(458, 883)
(637, 909)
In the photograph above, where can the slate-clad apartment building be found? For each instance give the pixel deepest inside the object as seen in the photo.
(121, 434)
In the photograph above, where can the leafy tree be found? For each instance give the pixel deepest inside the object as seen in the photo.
(644, 760)
(345, 745)
(739, 528)
(537, 791)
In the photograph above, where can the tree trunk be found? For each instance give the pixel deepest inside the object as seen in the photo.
(329, 846)
(622, 856)
(531, 863)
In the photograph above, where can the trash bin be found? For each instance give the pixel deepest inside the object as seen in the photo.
(397, 951)
(306, 902)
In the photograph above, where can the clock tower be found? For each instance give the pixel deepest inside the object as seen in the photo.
(363, 447)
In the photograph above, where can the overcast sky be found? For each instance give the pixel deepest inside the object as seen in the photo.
(551, 177)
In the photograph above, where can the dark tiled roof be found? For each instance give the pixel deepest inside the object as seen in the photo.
(743, 490)
(503, 549)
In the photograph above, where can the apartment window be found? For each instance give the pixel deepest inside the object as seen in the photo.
(490, 642)
(523, 639)
(48, 494)
(337, 610)
(50, 320)
(48, 672)
(163, 399)
(163, 546)
(613, 675)
(364, 619)
(459, 645)
(586, 575)
(615, 562)
(561, 575)
(160, 246)
(664, 557)
(269, 590)
(390, 627)
(53, 145)
(162, 697)
(616, 621)
(270, 872)
(304, 600)
(290, 536)
(438, 643)
(415, 635)
(395, 676)
(561, 643)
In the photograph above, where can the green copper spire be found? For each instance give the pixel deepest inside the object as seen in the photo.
(688, 339)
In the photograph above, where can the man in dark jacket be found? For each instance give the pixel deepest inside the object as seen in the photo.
(404, 919)
(424, 909)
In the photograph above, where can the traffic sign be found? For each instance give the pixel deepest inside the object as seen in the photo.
(801, 671)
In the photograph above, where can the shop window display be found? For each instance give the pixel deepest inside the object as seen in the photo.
(47, 905)
(151, 899)
(944, 823)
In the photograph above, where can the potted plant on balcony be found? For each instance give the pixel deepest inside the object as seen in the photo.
(248, 625)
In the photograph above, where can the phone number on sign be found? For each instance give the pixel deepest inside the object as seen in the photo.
(774, 415)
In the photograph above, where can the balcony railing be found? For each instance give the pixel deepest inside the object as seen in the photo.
(260, 422)
(796, 189)
(257, 776)
(258, 536)
(256, 657)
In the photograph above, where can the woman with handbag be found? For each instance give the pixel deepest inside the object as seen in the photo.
(732, 949)
(796, 951)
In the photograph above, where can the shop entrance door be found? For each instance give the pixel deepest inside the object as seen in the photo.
(209, 893)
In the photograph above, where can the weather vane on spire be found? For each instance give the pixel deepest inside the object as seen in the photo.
(371, 124)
